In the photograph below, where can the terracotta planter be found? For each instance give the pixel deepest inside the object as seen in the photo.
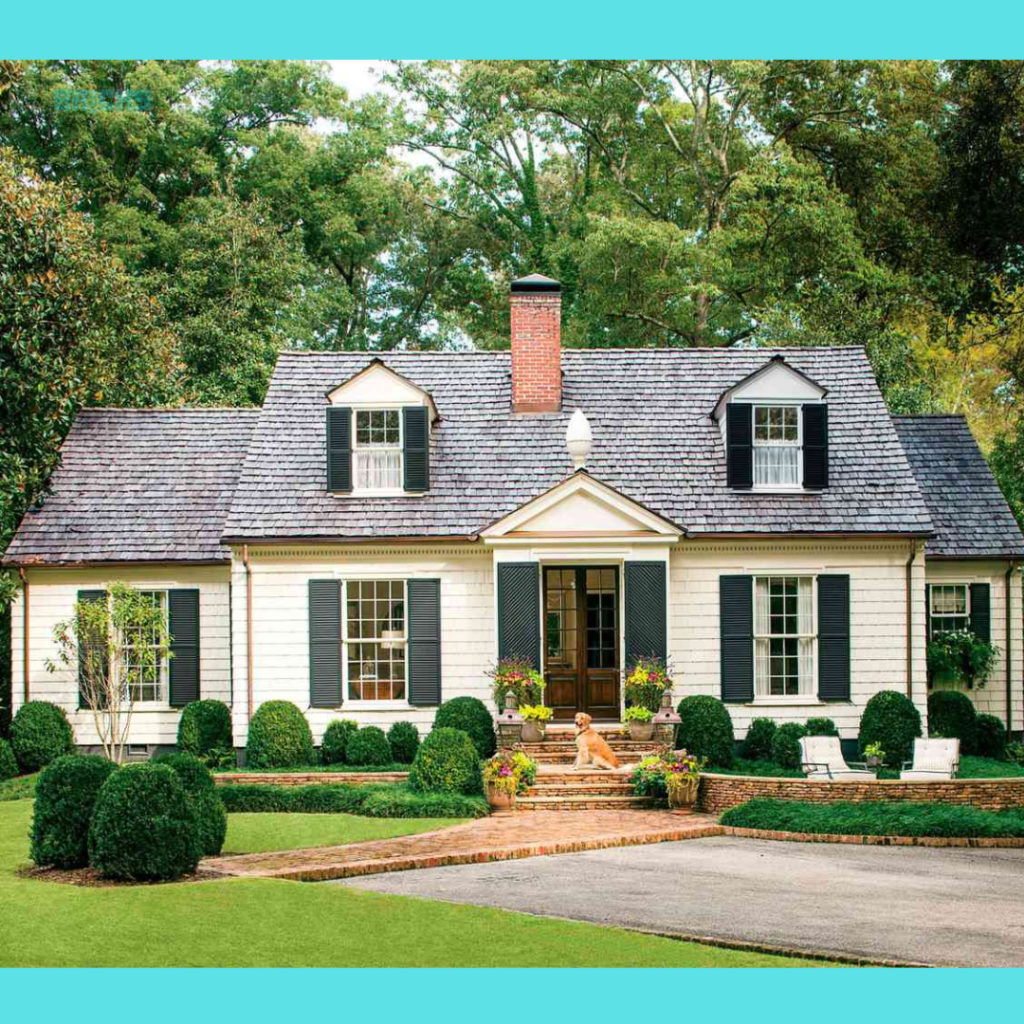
(682, 790)
(533, 731)
(499, 799)
(641, 731)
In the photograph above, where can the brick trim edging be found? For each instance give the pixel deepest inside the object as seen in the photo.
(973, 842)
(307, 778)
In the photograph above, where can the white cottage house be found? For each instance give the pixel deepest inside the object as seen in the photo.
(372, 539)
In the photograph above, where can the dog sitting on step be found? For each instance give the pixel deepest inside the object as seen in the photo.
(591, 748)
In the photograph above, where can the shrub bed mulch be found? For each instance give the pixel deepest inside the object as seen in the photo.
(90, 878)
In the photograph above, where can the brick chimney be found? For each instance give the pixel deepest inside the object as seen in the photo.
(536, 344)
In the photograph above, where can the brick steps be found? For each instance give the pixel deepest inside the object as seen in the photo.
(580, 789)
(568, 757)
(583, 803)
(567, 747)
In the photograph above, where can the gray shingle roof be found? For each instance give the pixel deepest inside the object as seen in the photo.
(139, 485)
(970, 514)
(653, 441)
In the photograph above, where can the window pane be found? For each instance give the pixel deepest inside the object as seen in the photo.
(376, 639)
(782, 611)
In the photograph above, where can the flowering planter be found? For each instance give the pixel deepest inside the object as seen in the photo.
(641, 731)
(499, 799)
(682, 790)
(533, 731)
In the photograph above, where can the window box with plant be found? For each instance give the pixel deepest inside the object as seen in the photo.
(535, 720)
(638, 721)
(960, 656)
(506, 775)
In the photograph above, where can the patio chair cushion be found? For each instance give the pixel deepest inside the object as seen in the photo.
(842, 775)
(821, 752)
(925, 776)
(935, 756)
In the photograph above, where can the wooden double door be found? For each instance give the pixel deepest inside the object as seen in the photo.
(581, 641)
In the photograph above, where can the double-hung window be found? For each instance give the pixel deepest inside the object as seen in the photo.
(375, 639)
(776, 446)
(784, 636)
(950, 607)
(144, 665)
(377, 451)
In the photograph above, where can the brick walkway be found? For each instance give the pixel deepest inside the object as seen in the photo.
(500, 837)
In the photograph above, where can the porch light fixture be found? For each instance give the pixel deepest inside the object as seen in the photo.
(510, 723)
(666, 720)
(578, 438)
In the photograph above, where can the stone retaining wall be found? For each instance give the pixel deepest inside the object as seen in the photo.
(307, 778)
(720, 792)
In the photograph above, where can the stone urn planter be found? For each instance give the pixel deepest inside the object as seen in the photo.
(682, 790)
(533, 731)
(641, 731)
(501, 801)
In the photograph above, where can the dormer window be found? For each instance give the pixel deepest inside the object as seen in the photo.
(377, 451)
(777, 446)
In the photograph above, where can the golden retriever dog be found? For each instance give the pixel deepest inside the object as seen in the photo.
(590, 747)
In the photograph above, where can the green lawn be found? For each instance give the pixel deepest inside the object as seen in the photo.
(258, 833)
(21, 788)
(270, 923)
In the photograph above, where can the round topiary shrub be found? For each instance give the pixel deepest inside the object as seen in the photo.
(821, 727)
(951, 715)
(786, 744)
(8, 762)
(990, 737)
(144, 827)
(472, 717)
(204, 726)
(201, 791)
(40, 732)
(891, 720)
(65, 797)
(446, 762)
(368, 746)
(335, 741)
(758, 744)
(279, 737)
(404, 739)
(706, 730)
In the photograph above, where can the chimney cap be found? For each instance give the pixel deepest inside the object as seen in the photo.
(535, 283)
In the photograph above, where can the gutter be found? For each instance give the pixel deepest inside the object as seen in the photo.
(24, 633)
(248, 629)
(910, 619)
(1010, 573)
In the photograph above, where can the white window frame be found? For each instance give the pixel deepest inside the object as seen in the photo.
(965, 585)
(807, 683)
(163, 702)
(356, 489)
(798, 485)
(362, 704)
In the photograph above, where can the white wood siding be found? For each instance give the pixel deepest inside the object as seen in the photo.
(52, 596)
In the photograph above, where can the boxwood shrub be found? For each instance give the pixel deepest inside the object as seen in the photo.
(40, 732)
(951, 715)
(758, 744)
(66, 793)
(821, 727)
(786, 744)
(891, 720)
(706, 730)
(990, 737)
(201, 790)
(335, 741)
(8, 762)
(472, 717)
(404, 739)
(279, 737)
(204, 726)
(144, 827)
(446, 762)
(368, 746)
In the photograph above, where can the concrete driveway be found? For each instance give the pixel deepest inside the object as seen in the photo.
(938, 906)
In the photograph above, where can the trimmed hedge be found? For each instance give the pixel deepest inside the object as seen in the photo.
(990, 737)
(195, 778)
(40, 732)
(821, 727)
(447, 762)
(144, 826)
(368, 746)
(204, 726)
(404, 740)
(786, 744)
(472, 717)
(8, 762)
(279, 737)
(875, 818)
(66, 793)
(758, 744)
(890, 719)
(376, 801)
(706, 730)
(951, 715)
(335, 741)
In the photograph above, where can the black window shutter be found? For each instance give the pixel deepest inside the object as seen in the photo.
(736, 619)
(645, 618)
(981, 610)
(324, 643)
(85, 650)
(815, 446)
(928, 611)
(183, 623)
(424, 642)
(417, 447)
(834, 637)
(339, 448)
(739, 445)
(519, 611)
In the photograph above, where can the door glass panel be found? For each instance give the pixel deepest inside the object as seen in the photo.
(561, 617)
(601, 619)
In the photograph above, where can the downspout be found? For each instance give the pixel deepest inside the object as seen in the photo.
(24, 632)
(910, 619)
(1009, 648)
(248, 626)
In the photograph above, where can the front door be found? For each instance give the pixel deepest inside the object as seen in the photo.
(581, 641)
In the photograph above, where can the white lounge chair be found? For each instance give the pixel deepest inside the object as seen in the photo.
(822, 758)
(933, 759)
